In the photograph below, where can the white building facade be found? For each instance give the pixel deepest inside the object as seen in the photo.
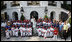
(29, 7)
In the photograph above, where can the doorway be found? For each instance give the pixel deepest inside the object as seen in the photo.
(52, 15)
(15, 16)
(34, 14)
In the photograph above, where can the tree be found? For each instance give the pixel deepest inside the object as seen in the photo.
(22, 17)
(70, 20)
(45, 17)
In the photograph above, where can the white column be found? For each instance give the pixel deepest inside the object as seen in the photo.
(8, 5)
(19, 16)
(58, 4)
(48, 14)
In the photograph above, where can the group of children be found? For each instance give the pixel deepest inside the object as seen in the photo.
(24, 28)
(46, 29)
(47, 32)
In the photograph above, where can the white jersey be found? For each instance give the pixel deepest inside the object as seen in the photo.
(48, 32)
(7, 34)
(23, 31)
(51, 31)
(43, 31)
(16, 29)
(44, 22)
(48, 24)
(16, 32)
(30, 28)
(24, 23)
(27, 30)
(20, 29)
(12, 28)
(39, 29)
(14, 23)
(13, 31)
(18, 23)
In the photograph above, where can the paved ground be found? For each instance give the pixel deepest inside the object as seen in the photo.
(33, 38)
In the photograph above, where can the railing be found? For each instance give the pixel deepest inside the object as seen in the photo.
(14, 4)
(33, 3)
(52, 3)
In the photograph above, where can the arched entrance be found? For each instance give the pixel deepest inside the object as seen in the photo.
(6, 16)
(15, 16)
(34, 14)
(2, 17)
(63, 16)
(52, 15)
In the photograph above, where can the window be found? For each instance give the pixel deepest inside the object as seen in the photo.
(15, 3)
(33, 2)
(3, 6)
(52, 3)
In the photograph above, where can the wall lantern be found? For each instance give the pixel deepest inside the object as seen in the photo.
(22, 11)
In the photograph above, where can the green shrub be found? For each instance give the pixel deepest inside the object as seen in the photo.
(70, 20)
(46, 16)
(22, 17)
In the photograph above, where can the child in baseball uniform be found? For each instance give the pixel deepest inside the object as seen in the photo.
(48, 32)
(16, 31)
(18, 24)
(30, 28)
(55, 33)
(26, 30)
(7, 33)
(39, 31)
(51, 31)
(13, 32)
(10, 32)
(21, 32)
(44, 32)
